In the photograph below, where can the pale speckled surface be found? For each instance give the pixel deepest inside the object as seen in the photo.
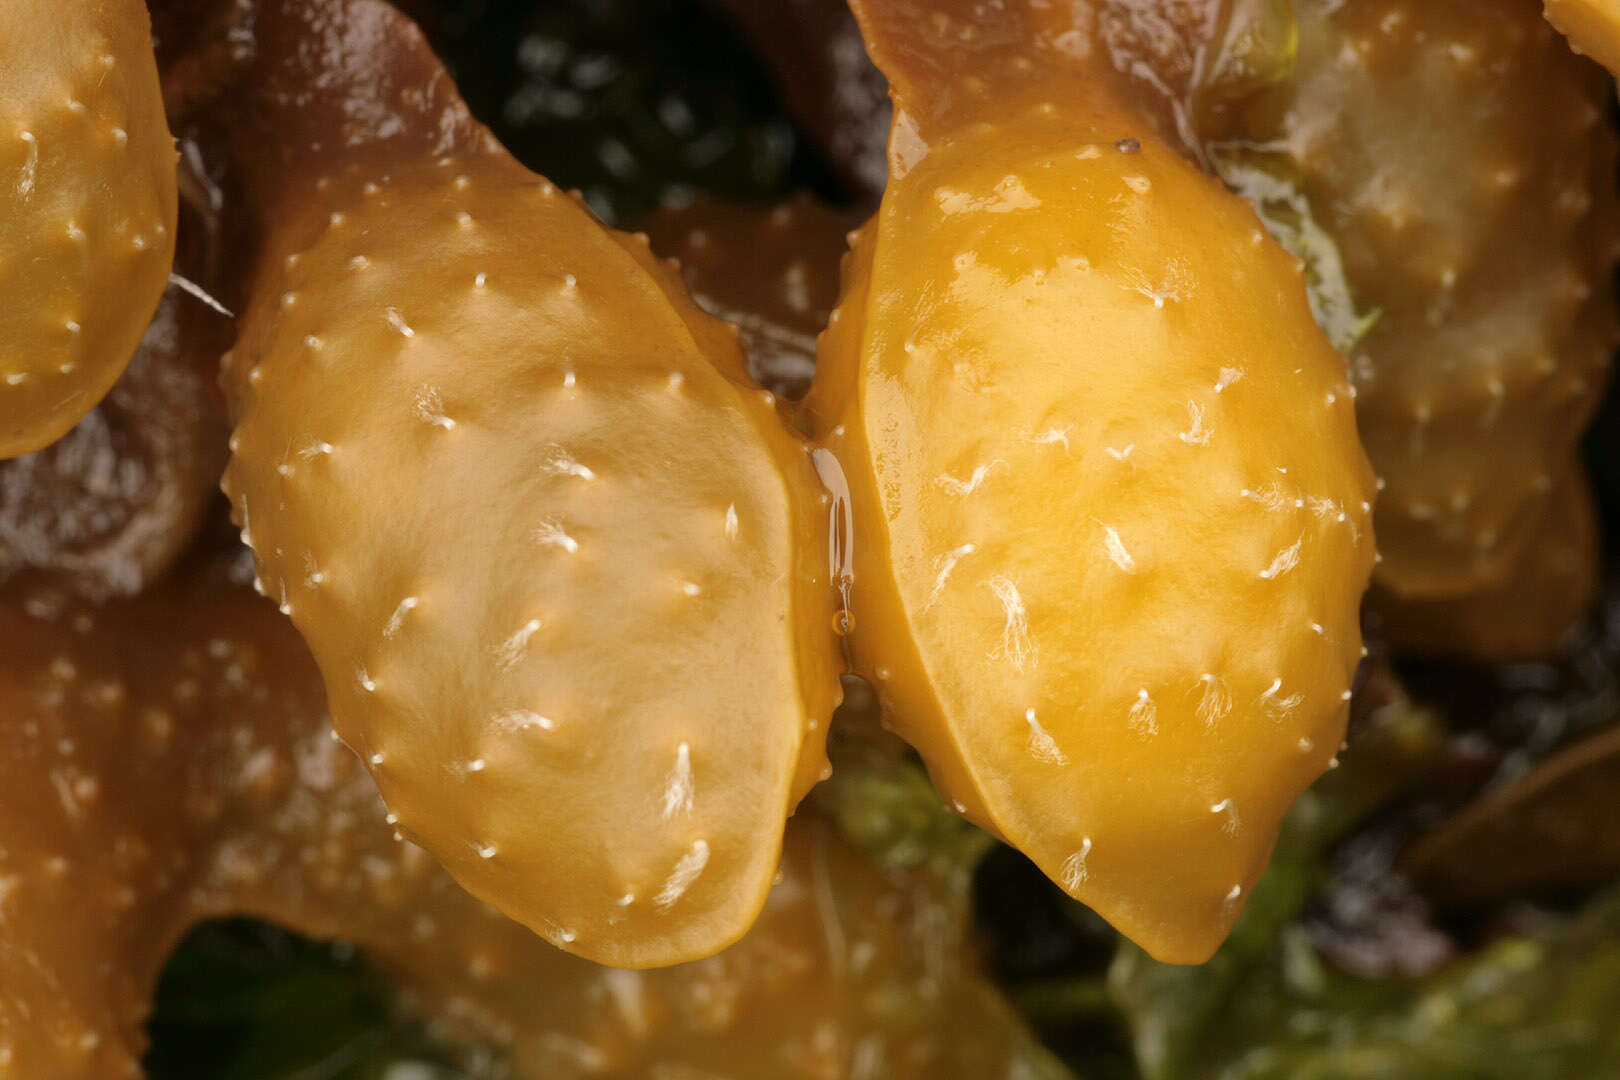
(87, 208)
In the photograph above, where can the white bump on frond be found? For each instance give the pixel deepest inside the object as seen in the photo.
(1232, 823)
(430, 407)
(1016, 644)
(1074, 867)
(511, 650)
(678, 790)
(1049, 437)
(1214, 703)
(550, 534)
(1041, 744)
(964, 488)
(1276, 703)
(680, 879)
(1286, 560)
(1196, 434)
(1116, 550)
(30, 169)
(397, 619)
(559, 462)
(514, 720)
(1144, 716)
(947, 563)
(1271, 496)
(397, 321)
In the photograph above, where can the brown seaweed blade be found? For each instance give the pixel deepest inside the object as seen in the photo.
(1552, 827)
(557, 556)
(1526, 615)
(87, 208)
(1111, 519)
(168, 759)
(1454, 150)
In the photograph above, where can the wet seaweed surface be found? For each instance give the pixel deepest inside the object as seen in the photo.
(1348, 962)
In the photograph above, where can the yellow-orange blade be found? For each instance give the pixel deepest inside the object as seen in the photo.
(1112, 518)
(87, 207)
(559, 560)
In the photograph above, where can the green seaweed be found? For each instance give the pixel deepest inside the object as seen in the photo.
(1256, 48)
(1262, 177)
(1525, 1008)
(881, 799)
(1242, 76)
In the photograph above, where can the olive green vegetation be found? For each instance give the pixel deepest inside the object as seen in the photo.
(883, 802)
(1522, 1009)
